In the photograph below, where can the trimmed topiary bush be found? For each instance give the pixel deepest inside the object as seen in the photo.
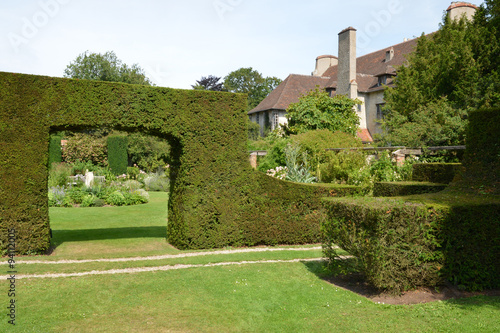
(117, 154)
(55, 150)
(396, 244)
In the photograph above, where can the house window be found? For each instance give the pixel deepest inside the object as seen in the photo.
(257, 118)
(382, 80)
(276, 120)
(380, 113)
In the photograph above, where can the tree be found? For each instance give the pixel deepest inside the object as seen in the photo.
(209, 83)
(450, 72)
(251, 82)
(105, 67)
(317, 110)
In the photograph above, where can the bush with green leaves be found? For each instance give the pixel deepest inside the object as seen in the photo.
(86, 147)
(157, 182)
(148, 152)
(117, 153)
(59, 173)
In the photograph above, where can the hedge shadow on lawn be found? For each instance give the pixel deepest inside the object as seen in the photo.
(82, 235)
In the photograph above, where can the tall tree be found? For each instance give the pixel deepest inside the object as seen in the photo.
(251, 82)
(209, 83)
(451, 72)
(105, 67)
(317, 110)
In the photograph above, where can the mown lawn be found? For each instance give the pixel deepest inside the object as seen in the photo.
(256, 297)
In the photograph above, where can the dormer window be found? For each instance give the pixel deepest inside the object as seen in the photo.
(382, 79)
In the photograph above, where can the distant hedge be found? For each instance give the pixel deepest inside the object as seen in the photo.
(55, 151)
(396, 189)
(442, 173)
(117, 154)
(216, 199)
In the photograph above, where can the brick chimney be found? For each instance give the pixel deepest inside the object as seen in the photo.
(346, 80)
(458, 8)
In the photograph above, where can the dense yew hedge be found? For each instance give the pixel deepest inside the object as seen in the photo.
(418, 240)
(216, 198)
(55, 151)
(442, 173)
(117, 154)
(396, 244)
(482, 157)
(396, 189)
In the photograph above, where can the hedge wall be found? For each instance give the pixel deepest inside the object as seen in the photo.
(482, 157)
(216, 198)
(418, 241)
(117, 154)
(396, 189)
(442, 173)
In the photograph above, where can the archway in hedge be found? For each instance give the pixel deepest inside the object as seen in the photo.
(218, 199)
(208, 129)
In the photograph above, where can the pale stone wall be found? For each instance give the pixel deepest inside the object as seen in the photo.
(371, 101)
(323, 63)
(458, 12)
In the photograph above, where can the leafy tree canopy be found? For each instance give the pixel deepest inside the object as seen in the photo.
(451, 72)
(105, 67)
(317, 110)
(251, 82)
(209, 83)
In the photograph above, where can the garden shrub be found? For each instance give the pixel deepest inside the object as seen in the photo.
(147, 152)
(316, 142)
(396, 244)
(117, 154)
(85, 147)
(396, 189)
(442, 173)
(157, 182)
(58, 174)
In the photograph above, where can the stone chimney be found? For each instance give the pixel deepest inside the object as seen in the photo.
(346, 80)
(389, 55)
(458, 9)
(323, 63)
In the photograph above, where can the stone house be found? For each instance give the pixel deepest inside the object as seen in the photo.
(362, 77)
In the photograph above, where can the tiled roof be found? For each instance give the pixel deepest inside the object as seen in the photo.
(289, 91)
(364, 135)
(457, 4)
(369, 67)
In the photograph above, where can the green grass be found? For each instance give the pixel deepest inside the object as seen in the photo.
(262, 297)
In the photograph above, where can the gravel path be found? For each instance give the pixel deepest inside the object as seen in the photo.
(166, 256)
(155, 269)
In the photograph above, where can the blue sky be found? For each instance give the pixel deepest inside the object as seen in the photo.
(178, 42)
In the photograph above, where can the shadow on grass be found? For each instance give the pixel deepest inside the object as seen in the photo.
(356, 283)
(81, 235)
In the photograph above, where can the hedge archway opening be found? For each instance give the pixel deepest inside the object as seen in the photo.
(217, 201)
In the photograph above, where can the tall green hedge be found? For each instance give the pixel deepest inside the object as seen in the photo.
(216, 198)
(117, 154)
(55, 152)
